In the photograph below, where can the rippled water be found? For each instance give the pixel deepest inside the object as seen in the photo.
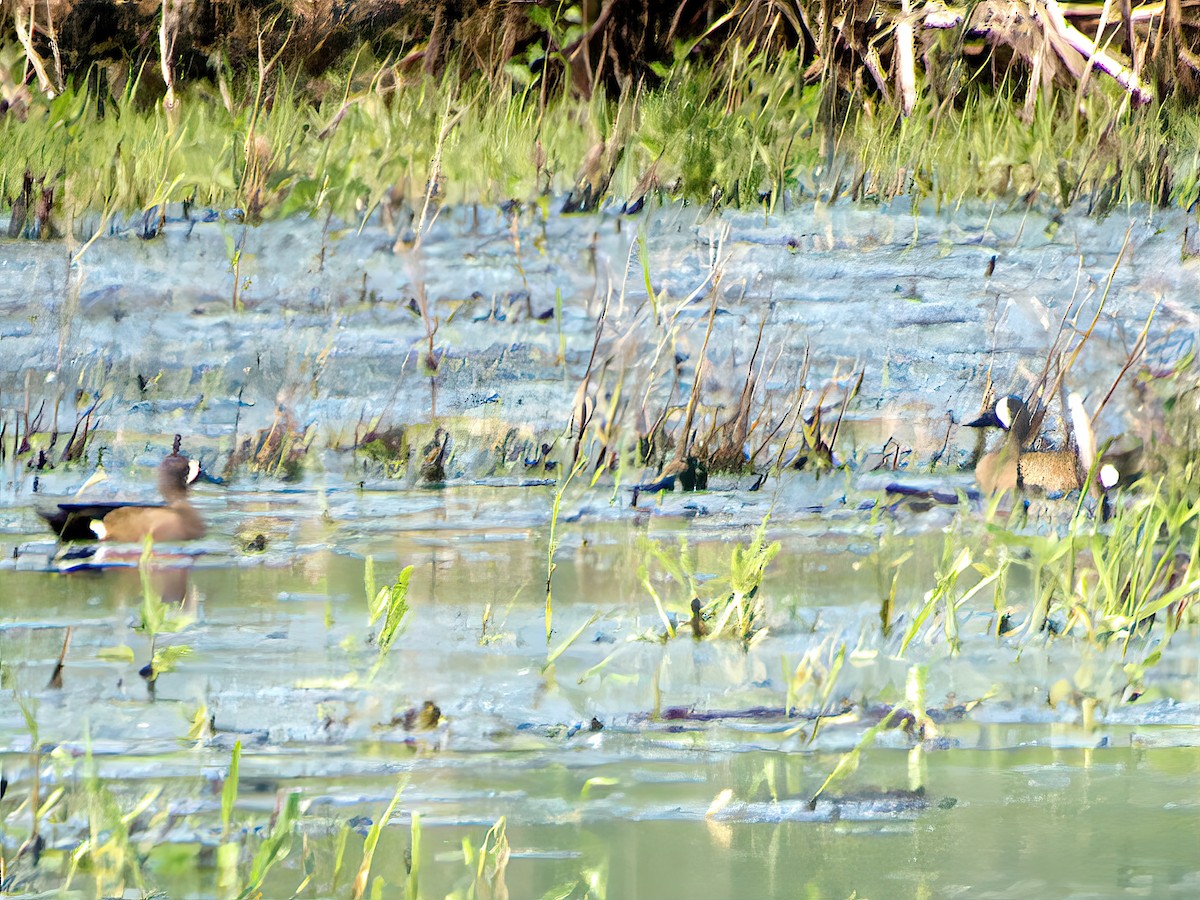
(280, 654)
(606, 763)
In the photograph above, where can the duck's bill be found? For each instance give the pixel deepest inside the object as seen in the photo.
(197, 472)
(987, 420)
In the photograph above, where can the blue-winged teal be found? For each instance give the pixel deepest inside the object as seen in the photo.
(1012, 465)
(176, 520)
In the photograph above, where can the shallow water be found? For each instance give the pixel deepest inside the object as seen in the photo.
(605, 763)
(331, 333)
(1012, 795)
(1029, 822)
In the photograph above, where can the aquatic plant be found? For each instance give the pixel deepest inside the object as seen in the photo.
(412, 883)
(279, 450)
(554, 539)
(553, 654)
(229, 851)
(370, 588)
(275, 847)
(741, 609)
(390, 603)
(679, 565)
(945, 598)
(1145, 565)
(911, 717)
(35, 430)
(235, 250)
(110, 855)
(31, 847)
(487, 865)
(158, 618)
(359, 888)
(813, 680)
(734, 606)
(848, 762)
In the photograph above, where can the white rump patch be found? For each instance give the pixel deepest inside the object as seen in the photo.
(193, 470)
(98, 529)
(1109, 475)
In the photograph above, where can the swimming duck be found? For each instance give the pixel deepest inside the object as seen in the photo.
(1011, 465)
(176, 520)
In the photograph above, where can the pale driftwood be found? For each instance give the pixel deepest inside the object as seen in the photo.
(906, 76)
(1083, 45)
(939, 15)
(1049, 14)
(874, 65)
(1143, 13)
(25, 36)
(168, 26)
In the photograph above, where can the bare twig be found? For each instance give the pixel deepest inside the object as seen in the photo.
(25, 36)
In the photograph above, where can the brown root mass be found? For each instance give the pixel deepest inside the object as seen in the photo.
(1149, 49)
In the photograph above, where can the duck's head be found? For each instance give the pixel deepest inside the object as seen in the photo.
(176, 473)
(1010, 414)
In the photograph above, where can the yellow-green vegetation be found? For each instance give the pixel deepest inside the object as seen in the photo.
(367, 147)
(734, 607)
(1120, 574)
(389, 603)
(159, 617)
(719, 112)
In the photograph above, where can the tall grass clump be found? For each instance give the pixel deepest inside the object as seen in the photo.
(734, 607)
(1121, 571)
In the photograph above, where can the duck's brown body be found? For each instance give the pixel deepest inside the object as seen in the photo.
(997, 471)
(129, 524)
(1053, 471)
(177, 520)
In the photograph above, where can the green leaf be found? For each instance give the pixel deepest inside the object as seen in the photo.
(167, 658)
(120, 653)
(274, 848)
(597, 781)
(229, 790)
(364, 869)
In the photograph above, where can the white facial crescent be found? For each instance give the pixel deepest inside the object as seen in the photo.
(1006, 411)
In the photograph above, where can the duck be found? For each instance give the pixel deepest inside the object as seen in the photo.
(1011, 465)
(997, 470)
(174, 520)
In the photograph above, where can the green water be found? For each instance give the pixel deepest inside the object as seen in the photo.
(1010, 798)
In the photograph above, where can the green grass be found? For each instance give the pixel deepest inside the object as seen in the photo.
(390, 603)
(733, 607)
(351, 142)
(1117, 587)
(987, 149)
